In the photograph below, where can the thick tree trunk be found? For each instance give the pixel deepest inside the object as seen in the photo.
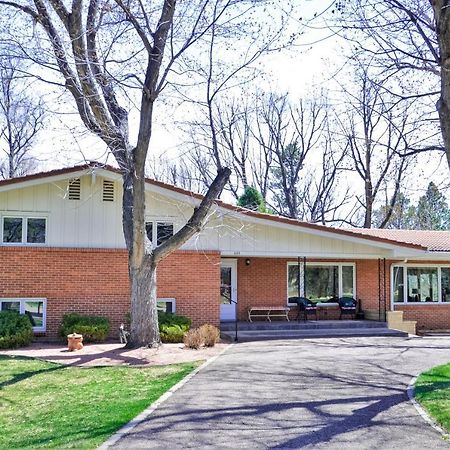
(442, 19)
(144, 324)
(141, 266)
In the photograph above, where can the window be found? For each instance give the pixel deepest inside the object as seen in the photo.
(163, 231)
(420, 284)
(167, 305)
(24, 230)
(34, 308)
(324, 282)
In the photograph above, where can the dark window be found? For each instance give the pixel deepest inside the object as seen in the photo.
(12, 229)
(75, 189)
(149, 230)
(36, 231)
(165, 231)
(445, 284)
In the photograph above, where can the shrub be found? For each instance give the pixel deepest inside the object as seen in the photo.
(193, 339)
(211, 335)
(15, 329)
(172, 328)
(93, 328)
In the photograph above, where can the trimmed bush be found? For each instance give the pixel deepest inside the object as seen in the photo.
(172, 328)
(211, 335)
(15, 329)
(93, 328)
(193, 339)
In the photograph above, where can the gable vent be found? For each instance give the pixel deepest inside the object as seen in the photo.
(75, 189)
(108, 191)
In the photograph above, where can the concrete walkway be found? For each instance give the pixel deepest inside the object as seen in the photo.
(325, 393)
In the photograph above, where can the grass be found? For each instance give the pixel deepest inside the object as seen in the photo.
(47, 405)
(432, 391)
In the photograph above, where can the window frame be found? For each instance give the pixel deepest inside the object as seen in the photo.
(155, 223)
(22, 301)
(24, 218)
(171, 300)
(405, 266)
(339, 265)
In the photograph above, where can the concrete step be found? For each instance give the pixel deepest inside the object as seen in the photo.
(302, 325)
(262, 335)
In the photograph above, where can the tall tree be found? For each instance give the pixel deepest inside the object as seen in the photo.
(21, 119)
(402, 216)
(408, 42)
(432, 211)
(111, 56)
(379, 138)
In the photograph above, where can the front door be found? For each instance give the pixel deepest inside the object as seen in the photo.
(228, 289)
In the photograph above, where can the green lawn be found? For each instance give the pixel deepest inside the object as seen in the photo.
(433, 393)
(50, 405)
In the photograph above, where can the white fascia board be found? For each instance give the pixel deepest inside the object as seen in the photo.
(43, 180)
(294, 256)
(322, 233)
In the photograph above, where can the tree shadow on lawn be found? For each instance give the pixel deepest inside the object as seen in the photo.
(117, 357)
(28, 374)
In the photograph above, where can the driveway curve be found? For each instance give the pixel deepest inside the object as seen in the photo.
(342, 393)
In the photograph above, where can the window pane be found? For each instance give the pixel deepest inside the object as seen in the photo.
(293, 280)
(12, 229)
(35, 312)
(36, 231)
(164, 230)
(347, 281)
(225, 285)
(322, 283)
(149, 230)
(445, 284)
(165, 306)
(399, 285)
(422, 284)
(10, 306)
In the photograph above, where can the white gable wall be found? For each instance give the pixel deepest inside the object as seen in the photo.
(93, 223)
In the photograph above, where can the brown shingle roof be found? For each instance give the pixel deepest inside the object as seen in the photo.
(438, 241)
(435, 241)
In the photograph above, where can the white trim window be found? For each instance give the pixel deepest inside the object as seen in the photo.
(167, 305)
(159, 231)
(30, 230)
(34, 308)
(420, 284)
(325, 281)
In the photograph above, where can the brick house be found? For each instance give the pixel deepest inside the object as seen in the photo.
(62, 249)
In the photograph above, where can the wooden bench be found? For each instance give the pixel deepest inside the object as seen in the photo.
(268, 311)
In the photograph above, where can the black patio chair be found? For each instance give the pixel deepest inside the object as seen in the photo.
(305, 307)
(347, 305)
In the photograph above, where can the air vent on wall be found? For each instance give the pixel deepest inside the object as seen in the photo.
(75, 189)
(108, 191)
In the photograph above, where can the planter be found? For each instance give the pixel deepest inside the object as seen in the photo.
(75, 341)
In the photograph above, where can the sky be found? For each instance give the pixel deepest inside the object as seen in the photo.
(296, 71)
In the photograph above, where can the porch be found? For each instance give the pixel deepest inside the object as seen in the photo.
(310, 329)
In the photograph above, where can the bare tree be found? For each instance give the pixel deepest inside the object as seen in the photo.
(21, 119)
(113, 57)
(289, 133)
(407, 42)
(378, 140)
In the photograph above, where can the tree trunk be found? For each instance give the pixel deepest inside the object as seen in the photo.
(144, 325)
(144, 329)
(442, 19)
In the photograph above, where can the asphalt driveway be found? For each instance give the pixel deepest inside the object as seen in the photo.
(343, 393)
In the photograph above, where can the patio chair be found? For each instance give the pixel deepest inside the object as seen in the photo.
(347, 305)
(305, 307)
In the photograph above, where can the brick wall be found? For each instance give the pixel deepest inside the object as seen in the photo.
(264, 282)
(95, 281)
